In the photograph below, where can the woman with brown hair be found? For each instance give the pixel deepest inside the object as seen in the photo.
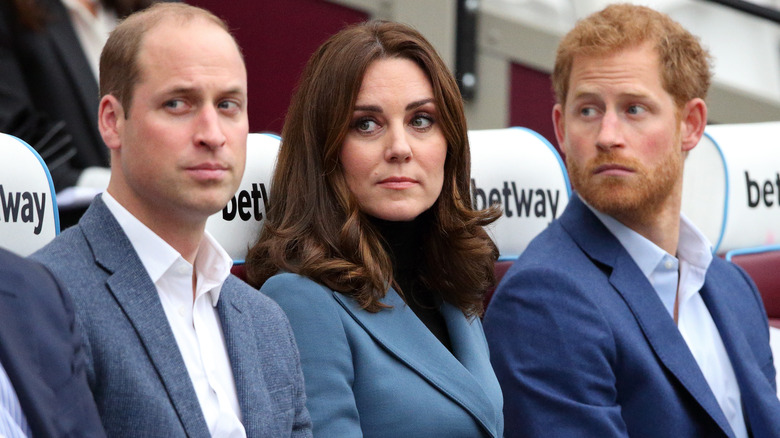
(371, 245)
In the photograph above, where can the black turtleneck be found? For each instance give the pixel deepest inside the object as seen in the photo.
(403, 242)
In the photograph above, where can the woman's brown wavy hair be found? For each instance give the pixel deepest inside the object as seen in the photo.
(314, 225)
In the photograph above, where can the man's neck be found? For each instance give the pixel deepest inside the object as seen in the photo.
(662, 227)
(182, 235)
(184, 238)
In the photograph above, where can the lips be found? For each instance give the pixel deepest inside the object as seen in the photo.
(208, 170)
(398, 182)
(612, 169)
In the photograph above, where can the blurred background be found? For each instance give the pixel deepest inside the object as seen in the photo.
(502, 51)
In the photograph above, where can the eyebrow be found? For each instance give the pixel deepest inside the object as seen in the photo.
(195, 90)
(593, 94)
(377, 109)
(418, 103)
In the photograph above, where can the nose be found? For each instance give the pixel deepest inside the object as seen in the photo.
(398, 149)
(610, 134)
(208, 131)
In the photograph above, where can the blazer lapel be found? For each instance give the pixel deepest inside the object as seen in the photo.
(652, 317)
(402, 334)
(137, 295)
(759, 400)
(244, 355)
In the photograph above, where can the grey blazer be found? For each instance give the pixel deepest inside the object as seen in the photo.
(136, 374)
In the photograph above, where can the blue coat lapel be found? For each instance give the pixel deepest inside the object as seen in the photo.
(401, 333)
(759, 400)
(658, 327)
(134, 291)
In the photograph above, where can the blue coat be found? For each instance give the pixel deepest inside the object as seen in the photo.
(385, 374)
(137, 374)
(583, 346)
(42, 353)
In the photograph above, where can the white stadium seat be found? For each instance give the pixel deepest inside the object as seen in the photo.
(28, 207)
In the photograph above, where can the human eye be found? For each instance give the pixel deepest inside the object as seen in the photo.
(365, 125)
(587, 111)
(229, 106)
(174, 105)
(421, 122)
(635, 109)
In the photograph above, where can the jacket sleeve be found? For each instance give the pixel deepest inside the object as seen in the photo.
(553, 353)
(326, 357)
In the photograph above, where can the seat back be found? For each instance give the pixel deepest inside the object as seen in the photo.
(237, 226)
(762, 264)
(28, 207)
(774, 344)
(731, 185)
(514, 167)
(522, 172)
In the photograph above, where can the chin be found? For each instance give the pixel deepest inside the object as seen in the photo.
(396, 215)
(211, 205)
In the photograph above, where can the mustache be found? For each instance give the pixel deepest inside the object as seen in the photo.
(612, 159)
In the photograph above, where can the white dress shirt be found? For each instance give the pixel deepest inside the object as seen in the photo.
(665, 272)
(195, 323)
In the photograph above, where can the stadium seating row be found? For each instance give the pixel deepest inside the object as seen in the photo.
(731, 190)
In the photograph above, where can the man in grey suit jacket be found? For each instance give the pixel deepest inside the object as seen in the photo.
(176, 346)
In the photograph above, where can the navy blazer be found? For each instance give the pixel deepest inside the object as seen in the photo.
(42, 352)
(583, 346)
(385, 374)
(135, 371)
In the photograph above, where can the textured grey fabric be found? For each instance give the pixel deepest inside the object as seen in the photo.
(137, 374)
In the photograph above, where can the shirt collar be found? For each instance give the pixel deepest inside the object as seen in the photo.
(692, 245)
(213, 266)
(646, 254)
(212, 262)
(661, 269)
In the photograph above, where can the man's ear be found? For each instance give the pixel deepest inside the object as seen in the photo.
(560, 129)
(693, 120)
(111, 119)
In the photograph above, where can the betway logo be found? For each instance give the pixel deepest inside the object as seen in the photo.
(27, 207)
(521, 202)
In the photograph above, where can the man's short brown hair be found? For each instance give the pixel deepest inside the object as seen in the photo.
(685, 64)
(119, 69)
